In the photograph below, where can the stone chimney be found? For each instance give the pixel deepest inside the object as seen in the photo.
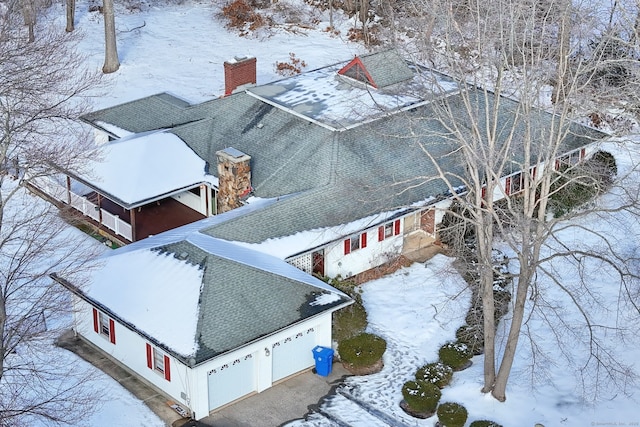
(234, 178)
(238, 72)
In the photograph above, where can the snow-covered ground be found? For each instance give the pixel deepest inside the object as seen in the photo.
(181, 49)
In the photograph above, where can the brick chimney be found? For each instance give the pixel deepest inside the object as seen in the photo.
(239, 71)
(234, 178)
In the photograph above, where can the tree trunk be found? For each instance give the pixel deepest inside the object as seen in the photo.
(331, 14)
(485, 243)
(564, 36)
(71, 13)
(524, 280)
(29, 14)
(111, 62)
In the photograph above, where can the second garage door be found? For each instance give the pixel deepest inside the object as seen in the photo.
(293, 354)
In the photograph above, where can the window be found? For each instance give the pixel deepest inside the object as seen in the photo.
(355, 242)
(515, 183)
(158, 361)
(388, 230)
(570, 159)
(104, 325)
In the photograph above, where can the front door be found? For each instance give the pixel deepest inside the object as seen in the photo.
(318, 263)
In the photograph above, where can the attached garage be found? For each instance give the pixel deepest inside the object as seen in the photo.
(293, 354)
(232, 381)
(237, 320)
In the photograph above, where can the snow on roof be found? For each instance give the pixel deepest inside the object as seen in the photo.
(159, 296)
(136, 169)
(263, 261)
(287, 246)
(338, 103)
(113, 129)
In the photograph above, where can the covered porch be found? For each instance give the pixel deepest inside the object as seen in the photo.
(147, 220)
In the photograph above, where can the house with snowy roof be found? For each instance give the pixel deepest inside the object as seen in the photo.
(331, 148)
(228, 206)
(203, 320)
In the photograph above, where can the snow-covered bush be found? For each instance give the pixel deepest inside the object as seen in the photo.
(455, 354)
(452, 414)
(421, 396)
(435, 373)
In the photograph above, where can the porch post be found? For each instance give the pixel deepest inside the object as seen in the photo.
(69, 190)
(99, 208)
(132, 216)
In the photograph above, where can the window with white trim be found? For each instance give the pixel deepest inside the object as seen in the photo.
(389, 229)
(104, 326)
(354, 243)
(516, 183)
(158, 361)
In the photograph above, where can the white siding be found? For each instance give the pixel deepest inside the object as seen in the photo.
(376, 253)
(198, 204)
(130, 350)
(193, 383)
(262, 355)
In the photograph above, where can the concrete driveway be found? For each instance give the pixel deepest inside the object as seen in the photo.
(290, 399)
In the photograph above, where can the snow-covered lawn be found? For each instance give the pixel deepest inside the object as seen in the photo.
(181, 49)
(419, 308)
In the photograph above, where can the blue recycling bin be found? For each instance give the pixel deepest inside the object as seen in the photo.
(324, 360)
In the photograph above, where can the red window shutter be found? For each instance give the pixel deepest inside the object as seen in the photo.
(507, 186)
(363, 240)
(533, 172)
(167, 368)
(112, 331)
(347, 246)
(557, 164)
(396, 227)
(484, 193)
(381, 233)
(149, 356)
(582, 153)
(96, 325)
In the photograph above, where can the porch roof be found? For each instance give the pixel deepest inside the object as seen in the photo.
(141, 168)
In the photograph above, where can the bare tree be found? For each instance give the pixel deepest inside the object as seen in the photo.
(29, 14)
(111, 61)
(70, 15)
(502, 56)
(39, 102)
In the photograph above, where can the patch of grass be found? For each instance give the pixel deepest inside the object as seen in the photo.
(95, 233)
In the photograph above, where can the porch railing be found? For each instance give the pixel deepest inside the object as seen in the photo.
(80, 203)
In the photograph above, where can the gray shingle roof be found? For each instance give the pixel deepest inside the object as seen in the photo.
(240, 303)
(387, 68)
(338, 175)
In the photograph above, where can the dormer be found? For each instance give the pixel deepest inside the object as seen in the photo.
(378, 70)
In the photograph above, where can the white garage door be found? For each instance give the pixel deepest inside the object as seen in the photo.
(231, 381)
(293, 354)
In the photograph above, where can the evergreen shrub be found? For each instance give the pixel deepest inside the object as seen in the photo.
(421, 396)
(435, 373)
